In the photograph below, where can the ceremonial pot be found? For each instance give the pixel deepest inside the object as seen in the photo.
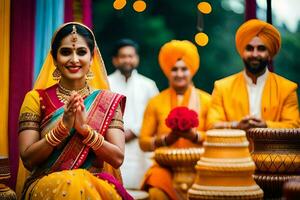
(182, 162)
(5, 192)
(276, 153)
(225, 169)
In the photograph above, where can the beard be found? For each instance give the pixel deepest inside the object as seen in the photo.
(126, 69)
(255, 68)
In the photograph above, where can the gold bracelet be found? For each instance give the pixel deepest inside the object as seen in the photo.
(50, 140)
(89, 137)
(95, 139)
(52, 136)
(63, 126)
(99, 143)
(58, 134)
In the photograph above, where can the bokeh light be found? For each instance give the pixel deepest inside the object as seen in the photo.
(204, 7)
(201, 39)
(119, 4)
(139, 6)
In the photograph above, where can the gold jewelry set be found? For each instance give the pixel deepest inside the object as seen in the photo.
(57, 135)
(56, 75)
(63, 93)
(93, 139)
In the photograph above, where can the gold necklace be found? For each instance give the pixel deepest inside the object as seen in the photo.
(64, 94)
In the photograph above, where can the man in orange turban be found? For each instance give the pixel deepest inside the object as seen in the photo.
(255, 97)
(179, 61)
(176, 50)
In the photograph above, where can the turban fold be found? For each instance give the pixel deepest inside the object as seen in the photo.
(269, 35)
(176, 50)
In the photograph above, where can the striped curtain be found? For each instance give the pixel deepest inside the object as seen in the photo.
(21, 71)
(4, 74)
(79, 11)
(49, 16)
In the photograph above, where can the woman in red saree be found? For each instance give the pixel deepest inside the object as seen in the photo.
(70, 128)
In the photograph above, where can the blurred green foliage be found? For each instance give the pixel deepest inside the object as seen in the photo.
(164, 20)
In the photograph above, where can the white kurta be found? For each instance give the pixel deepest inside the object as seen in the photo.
(138, 89)
(255, 92)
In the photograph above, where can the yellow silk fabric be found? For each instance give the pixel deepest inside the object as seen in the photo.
(72, 184)
(279, 106)
(31, 103)
(4, 74)
(269, 35)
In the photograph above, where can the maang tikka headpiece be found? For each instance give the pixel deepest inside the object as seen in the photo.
(74, 35)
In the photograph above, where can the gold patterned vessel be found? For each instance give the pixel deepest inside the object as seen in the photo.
(5, 192)
(276, 153)
(182, 162)
(225, 169)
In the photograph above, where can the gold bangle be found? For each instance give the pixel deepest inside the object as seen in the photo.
(89, 137)
(54, 138)
(99, 143)
(63, 126)
(95, 139)
(59, 135)
(50, 140)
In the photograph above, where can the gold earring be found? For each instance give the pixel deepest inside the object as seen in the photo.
(56, 75)
(89, 75)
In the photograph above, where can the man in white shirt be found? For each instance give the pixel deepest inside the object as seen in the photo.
(138, 89)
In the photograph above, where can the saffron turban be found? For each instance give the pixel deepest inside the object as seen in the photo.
(269, 35)
(176, 50)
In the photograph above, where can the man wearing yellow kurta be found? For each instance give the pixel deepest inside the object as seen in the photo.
(179, 61)
(255, 97)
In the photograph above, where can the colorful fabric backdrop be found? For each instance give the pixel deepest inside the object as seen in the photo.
(4, 74)
(26, 28)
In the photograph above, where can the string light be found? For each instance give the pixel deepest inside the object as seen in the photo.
(139, 6)
(204, 7)
(119, 4)
(201, 38)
